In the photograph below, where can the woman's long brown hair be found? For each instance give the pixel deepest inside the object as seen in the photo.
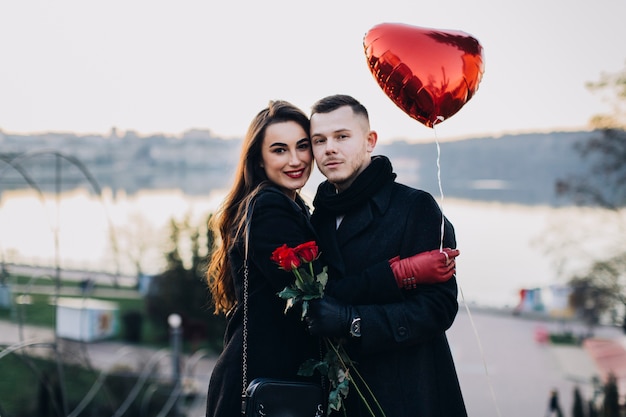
(228, 223)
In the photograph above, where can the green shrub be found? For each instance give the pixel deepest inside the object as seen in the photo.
(564, 339)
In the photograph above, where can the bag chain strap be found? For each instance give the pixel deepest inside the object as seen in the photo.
(319, 411)
(245, 307)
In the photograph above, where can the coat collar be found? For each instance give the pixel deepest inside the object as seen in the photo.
(298, 204)
(358, 220)
(352, 224)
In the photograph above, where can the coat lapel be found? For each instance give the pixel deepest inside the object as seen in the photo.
(325, 229)
(335, 241)
(353, 224)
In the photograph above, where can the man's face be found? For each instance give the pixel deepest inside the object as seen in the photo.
(342, 145)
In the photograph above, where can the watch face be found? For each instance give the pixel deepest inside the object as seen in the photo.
(355, 327)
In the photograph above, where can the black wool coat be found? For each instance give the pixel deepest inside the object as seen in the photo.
(403, 353)
(278, 343)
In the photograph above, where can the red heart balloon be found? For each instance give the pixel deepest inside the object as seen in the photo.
(430, 74)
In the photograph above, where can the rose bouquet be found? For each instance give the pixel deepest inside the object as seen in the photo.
(335, 365)
(307, 285)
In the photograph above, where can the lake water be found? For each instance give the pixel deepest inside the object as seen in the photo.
(504, 247)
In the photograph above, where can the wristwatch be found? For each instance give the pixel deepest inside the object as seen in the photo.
(355, 327)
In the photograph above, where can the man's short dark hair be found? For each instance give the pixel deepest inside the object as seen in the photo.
(331, 103)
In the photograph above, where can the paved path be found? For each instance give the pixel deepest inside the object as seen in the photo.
(503, 370)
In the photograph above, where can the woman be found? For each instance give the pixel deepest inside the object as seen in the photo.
(275, 163)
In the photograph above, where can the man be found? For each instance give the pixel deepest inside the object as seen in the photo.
(363, 217)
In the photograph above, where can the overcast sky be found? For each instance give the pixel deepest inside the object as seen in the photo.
(156, 66)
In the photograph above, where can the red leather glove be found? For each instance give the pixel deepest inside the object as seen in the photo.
(430, 267)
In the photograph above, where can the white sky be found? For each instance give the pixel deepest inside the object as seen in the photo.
(168, 66)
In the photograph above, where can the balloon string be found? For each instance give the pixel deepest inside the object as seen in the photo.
(469, 314)
(440, 191)
(482, 353)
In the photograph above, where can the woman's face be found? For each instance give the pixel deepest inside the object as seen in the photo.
(286, 156)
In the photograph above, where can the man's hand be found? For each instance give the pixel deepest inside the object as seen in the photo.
(328, 317)
(430, 267)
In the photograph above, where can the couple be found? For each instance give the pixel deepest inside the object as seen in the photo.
(391, 292)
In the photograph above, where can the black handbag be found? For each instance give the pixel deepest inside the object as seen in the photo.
(271, 397)
(280, 398)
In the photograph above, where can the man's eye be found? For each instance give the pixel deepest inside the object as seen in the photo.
(318, 141)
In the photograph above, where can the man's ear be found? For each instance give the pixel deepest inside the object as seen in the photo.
(372, 138)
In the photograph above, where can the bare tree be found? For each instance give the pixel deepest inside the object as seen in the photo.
(603, 185)
(613, 88)
(139, 243)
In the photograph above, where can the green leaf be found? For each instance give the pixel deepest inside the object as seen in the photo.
(309, 297)
(306, 276)
(334, 400)
(289, 292)
(305, 281)
(344, 387)
(305, 309)
(288, 305)
(322, 277)
(308, 367)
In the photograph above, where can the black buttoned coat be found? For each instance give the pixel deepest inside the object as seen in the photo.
(278, 343)
(403, 353)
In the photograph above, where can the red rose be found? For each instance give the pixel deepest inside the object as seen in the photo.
(307, 251)
(286, 258)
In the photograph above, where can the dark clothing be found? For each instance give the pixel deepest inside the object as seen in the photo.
(554, 409)
(403, 353)
(376, 175)
(277, 343)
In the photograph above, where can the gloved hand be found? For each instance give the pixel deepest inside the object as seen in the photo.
(429, 267)
(328, 317)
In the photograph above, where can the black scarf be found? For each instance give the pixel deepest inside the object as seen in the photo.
(378, 173)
